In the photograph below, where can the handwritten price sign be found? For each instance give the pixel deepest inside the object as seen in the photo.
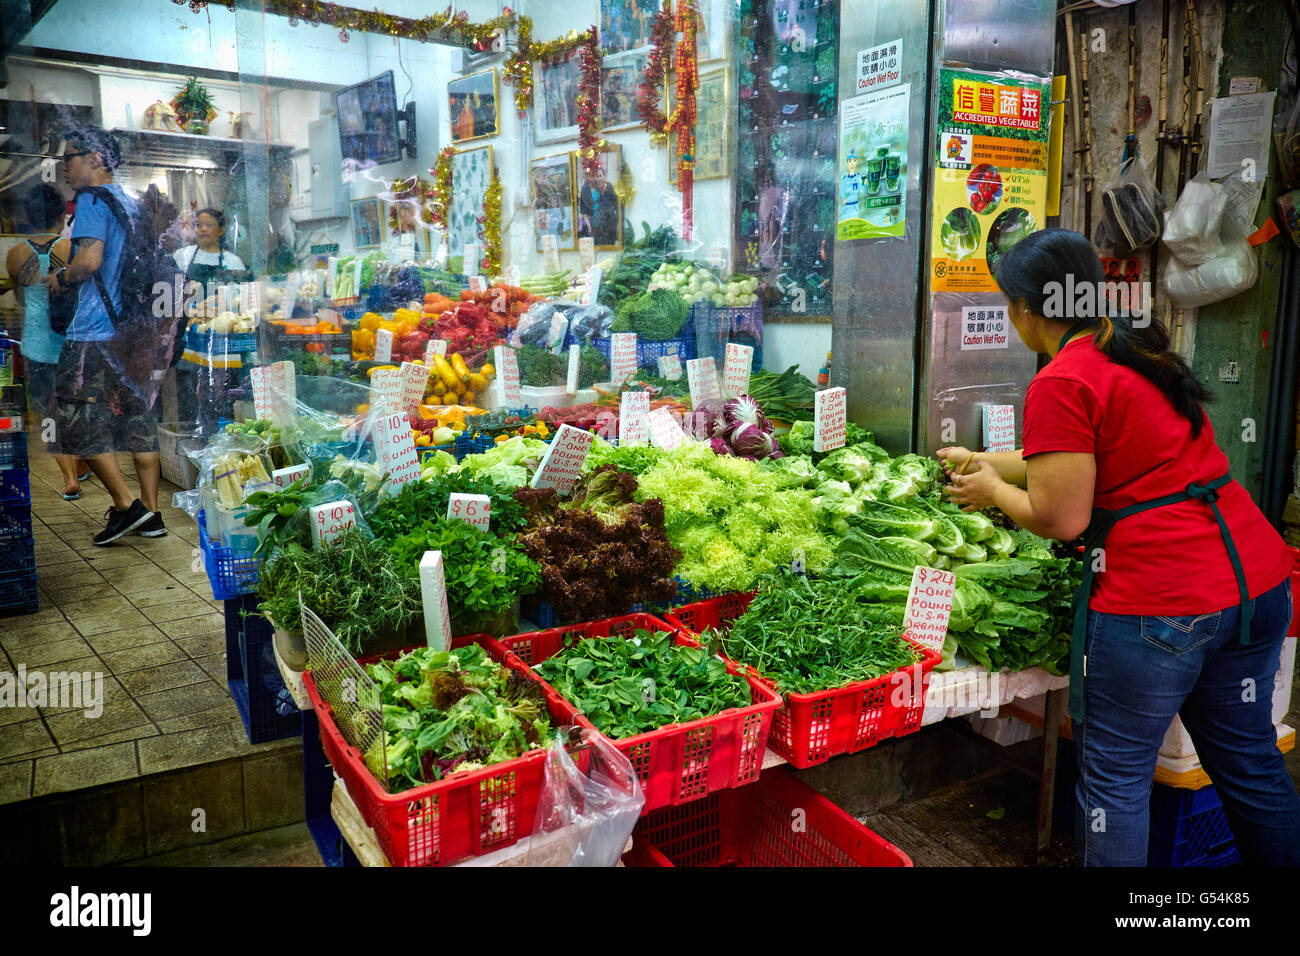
(830, 419)
(670, 367)
(331, 520)
(664, 431)
(702, 378)
(386, 389)
(284, 477)
(999, 428)
(632, 409)
(383, 345)
(929, 604)
(434, 347)
(736, 368)
(395, 450)
(563, 461)
(508, 373)
(474, 509)
(622, 356)
(414, 379)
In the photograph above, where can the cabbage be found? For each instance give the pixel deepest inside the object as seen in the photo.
(750, 441)
(719, 445)
(745, 409)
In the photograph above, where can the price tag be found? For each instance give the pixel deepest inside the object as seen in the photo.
(472, 258)
(929, 604)
(830, 420)
(586, 253)
(414, 379)
(735, 369)
(475, 509)
(328, 521)
(284, 477)
(290, 296)
(386, 390)
(260, 378)
(477, 284)
(383, 345)
(670, 367)
(508, 374)
(999, 427)
(395, 450)
(632, 409)
(575, 356)
(512, 275)
(702, 377)
(433, 591)
(593, 279)
(563, 461)
(285, 380)
(551, 254)
(274, 389)
(622, 357)
(434, 347)
(664, 431)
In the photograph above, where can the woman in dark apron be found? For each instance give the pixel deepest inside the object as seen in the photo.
(1186, 593)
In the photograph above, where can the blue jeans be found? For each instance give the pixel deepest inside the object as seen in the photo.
(1141, 671)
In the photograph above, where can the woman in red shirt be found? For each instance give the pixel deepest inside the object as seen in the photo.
(1187, 586)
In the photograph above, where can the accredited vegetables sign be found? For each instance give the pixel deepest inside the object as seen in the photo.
(990, 174)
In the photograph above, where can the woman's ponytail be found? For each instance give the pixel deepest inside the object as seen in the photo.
(1038, 267)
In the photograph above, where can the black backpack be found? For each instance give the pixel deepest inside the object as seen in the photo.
(63, 306)
(139, 330)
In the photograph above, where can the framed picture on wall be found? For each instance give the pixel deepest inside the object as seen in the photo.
(472, 106)
(600, 211)
(471, 174)
(626, 24)
(619, 78)
(553, 199)
(712, 128)
(555, 100)
(367, 223)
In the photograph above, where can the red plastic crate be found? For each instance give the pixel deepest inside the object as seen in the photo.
(466, 814)
(679, 762)
(776, 822)
(812, 728)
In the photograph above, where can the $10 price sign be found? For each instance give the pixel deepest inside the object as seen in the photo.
(328, 521)
(929, 604)
(396, 450)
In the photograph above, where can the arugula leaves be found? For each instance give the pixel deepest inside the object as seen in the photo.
(628, 687)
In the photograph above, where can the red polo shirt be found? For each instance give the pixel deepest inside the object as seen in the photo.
(1167, 561)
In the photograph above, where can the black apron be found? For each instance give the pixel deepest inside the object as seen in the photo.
(1095, 537)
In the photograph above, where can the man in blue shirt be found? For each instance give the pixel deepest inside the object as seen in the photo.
(96, 417)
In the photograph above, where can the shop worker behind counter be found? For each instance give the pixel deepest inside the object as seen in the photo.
(106, 383)
(1189, 610)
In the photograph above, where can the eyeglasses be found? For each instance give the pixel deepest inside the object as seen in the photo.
(71, 156)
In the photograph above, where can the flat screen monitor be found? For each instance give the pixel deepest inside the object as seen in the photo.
(368, 118)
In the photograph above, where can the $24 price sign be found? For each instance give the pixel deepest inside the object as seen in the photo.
(929, 604)
(475, 509)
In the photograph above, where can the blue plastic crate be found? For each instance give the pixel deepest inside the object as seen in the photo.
(13, 452)
(15, 521)
(18, 555)
(472, 446)
(1189, 828)
(19, 593)
(715, 326)
(255, 682)
(15, 487)
(216, 343)
(231, 574)
(649, 352)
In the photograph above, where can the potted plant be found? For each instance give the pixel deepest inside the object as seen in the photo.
(194, 107)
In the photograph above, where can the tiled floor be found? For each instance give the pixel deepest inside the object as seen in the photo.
(141, 614)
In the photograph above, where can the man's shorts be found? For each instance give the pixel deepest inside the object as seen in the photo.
(96, 412)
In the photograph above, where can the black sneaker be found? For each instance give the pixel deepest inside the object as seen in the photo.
(153, 528)
(121, 523)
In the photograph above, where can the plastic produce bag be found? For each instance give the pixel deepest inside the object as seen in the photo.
(587, 322)
(1192, 228)
(543, 326)
(1231, 270)
(1131, 211)
(584, 819)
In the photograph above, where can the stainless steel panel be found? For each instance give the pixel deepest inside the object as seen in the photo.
(1000, 34)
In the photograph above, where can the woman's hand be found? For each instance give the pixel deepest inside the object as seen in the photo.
(954, 457)
(977, 489)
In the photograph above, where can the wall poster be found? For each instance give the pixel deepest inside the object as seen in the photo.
(873, 165)
(990, 178)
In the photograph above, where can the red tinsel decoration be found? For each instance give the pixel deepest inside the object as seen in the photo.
(683, 120)
(650, 90)
(590, 143)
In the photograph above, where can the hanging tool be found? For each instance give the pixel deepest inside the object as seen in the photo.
(1087, 128)
(1077, 126)
(1131, 140)
(1198, 55)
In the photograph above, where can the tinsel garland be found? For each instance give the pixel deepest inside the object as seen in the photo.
(518, 69)
(590, 142)
(440, 194)
(438, 27)
(649, 92)
(491, 223)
